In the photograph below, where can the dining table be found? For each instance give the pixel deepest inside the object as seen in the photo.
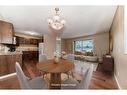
(55, 69)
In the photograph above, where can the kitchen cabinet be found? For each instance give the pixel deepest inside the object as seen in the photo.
(21, 40)
(30, 55)
(7, 63)
(34, 41)
(3, 65)
(6, 32)
(27, 41)
(13, 59)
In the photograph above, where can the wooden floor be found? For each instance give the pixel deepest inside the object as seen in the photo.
(100, 80)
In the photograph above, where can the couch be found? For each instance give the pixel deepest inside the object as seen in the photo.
(86, 56)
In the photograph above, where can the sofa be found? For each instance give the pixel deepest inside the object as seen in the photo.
(86, 56)
(91, 58)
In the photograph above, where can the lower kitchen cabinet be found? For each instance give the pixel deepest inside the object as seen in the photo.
(30, 56)
(3, 65)
(7, 63)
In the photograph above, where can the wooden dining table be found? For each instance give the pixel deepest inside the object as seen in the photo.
(55, 70)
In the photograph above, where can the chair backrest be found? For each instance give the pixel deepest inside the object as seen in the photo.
(71, 57)
(42, 57)
(21, 77)
(87, 78)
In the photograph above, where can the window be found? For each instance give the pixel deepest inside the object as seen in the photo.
(85, 45)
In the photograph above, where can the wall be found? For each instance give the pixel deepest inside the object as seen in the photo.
(120, 59)
(101, 43)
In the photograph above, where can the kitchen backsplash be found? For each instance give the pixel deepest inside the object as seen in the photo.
(3, 48)
(27, 48)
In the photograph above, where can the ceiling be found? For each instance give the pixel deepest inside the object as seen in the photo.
(80, 20)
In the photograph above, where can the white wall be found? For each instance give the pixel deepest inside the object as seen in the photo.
(120, 58)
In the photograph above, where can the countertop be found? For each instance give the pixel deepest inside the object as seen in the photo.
(10, 53)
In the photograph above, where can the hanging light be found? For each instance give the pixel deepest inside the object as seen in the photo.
(56, 22)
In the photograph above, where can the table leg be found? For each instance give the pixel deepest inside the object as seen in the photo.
(55, 81)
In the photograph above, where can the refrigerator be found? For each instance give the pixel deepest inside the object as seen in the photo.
(41, 50)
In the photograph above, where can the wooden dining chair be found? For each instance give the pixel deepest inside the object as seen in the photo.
(84, 84)
(27, 83)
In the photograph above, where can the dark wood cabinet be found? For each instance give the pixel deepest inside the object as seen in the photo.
(34, 41)
(13, 59)
(3, 65)
(27, 41)
(40, 40)
(6, 32)
(21, 40)
(7, 63)
(107, 64)
(30, 55)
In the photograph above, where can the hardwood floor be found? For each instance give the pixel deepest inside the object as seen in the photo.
(100, 80)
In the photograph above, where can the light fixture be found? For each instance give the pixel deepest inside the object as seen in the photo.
(28, 32)
(56, 22)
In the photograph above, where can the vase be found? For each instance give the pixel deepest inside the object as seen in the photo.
(56, 60)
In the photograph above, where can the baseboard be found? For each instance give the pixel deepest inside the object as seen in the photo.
(117, 82)
(7, 76)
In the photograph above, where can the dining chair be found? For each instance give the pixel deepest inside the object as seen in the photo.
(70, 57)
(27, 83)
(84, 84)
(42, 57)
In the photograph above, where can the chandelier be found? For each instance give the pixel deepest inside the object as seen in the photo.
(56, 22)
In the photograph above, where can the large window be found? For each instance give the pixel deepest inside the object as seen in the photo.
(84, 45)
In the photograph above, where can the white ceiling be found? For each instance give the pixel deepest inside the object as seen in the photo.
(80, 20)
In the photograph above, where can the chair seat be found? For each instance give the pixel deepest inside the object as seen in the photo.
(38, 83)
(70, 84)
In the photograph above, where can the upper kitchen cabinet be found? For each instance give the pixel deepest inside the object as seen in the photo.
(28, 41)
(6, 32)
